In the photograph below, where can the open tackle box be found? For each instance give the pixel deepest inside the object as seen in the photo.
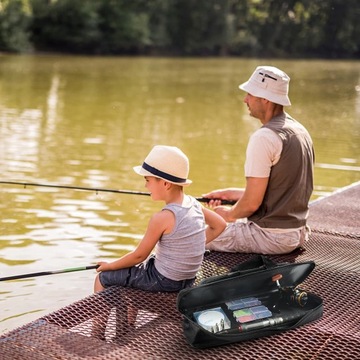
(257, 298)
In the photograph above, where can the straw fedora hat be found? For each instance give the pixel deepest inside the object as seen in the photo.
(168, 163)
(270, 83)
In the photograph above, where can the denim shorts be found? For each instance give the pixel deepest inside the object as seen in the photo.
(143, 276)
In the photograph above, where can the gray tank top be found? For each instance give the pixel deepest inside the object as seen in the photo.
(178, 255)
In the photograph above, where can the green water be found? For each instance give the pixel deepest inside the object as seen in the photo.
(87, 121)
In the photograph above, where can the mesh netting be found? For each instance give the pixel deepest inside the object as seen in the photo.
(121, 323)
(338, 213)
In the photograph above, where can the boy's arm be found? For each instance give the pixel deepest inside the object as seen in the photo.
(158, 224)
(215, 224)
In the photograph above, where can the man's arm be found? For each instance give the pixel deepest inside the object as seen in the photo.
(230, 194)
(250, 201)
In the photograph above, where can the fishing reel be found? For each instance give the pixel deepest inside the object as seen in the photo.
(290, 295)
(293, 296)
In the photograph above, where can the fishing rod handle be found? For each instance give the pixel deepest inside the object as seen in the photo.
(223, 202)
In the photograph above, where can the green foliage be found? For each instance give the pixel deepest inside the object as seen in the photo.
(65, 25)
(326, 28)
(198, 27)
(123, 27)
(14, 23)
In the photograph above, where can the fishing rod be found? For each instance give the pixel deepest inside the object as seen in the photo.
(42, 273)
(97, 190)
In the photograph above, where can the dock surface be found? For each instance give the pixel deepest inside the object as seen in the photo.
(156, 332)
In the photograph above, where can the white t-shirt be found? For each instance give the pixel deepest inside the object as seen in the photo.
(263, 152)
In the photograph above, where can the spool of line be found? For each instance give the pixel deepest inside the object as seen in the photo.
(210, 319)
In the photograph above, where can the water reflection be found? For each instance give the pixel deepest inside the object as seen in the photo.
(87, 121)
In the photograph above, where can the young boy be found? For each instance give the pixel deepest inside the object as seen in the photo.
(178, 232)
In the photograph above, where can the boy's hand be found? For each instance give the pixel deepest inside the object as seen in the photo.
(103, 266)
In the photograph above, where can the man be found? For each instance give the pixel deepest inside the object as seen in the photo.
(279, 175)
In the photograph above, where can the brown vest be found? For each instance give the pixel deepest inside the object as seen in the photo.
(285, 204)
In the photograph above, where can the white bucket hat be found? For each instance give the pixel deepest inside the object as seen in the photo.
(270, 83)
(166, 162)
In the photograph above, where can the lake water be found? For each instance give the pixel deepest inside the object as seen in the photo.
(83, 121)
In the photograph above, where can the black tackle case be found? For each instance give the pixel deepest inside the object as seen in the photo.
(257, 298)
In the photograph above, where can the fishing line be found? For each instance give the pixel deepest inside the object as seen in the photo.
(97, 190)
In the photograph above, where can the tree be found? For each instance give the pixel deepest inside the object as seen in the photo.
(198, 27)
(123, 27)
(14, 26)
(325, 28)
(65, 25)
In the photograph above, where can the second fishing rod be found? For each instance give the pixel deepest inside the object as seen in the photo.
(97, 190)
